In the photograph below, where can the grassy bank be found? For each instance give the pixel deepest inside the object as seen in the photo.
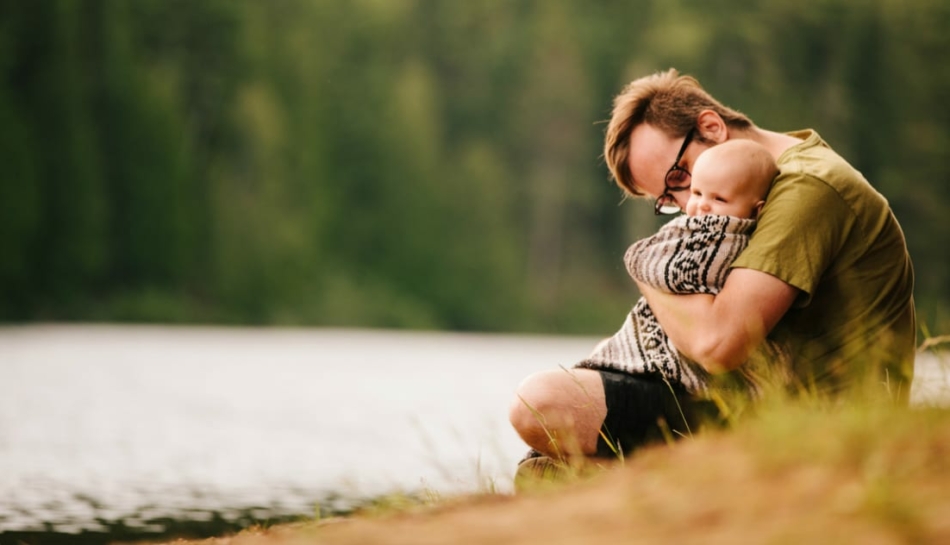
(793, 473)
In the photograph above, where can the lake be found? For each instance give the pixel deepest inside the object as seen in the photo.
(142, 430)
(101, 425)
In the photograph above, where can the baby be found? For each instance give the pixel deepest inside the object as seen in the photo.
(692, 254)
(731, 179)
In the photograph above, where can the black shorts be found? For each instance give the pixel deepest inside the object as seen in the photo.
(644, 409)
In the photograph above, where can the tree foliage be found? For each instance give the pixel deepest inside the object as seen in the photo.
(411, 163)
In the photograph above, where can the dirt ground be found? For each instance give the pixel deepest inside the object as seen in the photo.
(853, 478)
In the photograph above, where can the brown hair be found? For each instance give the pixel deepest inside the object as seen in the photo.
(665, 100)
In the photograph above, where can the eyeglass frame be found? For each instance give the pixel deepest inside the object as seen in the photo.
(666, 198)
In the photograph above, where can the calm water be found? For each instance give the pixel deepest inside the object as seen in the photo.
(141, 425)
(154, 428)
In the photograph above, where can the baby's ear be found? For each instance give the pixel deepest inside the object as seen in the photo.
(757, 209)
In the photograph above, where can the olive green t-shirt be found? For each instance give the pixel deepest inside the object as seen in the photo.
(826, 231)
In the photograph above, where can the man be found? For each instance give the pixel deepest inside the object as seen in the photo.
(826, 274)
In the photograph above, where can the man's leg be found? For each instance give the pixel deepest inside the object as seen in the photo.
(602, 413)
(560, 412)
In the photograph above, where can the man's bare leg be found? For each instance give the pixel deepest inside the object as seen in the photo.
(560, 412)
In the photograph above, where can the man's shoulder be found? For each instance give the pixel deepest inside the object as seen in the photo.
(813, 161)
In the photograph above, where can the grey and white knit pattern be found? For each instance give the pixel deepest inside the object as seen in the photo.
(687, 255)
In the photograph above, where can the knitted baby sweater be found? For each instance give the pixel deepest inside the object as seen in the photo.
(687, 255)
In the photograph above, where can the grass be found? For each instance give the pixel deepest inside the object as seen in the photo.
(794, 471)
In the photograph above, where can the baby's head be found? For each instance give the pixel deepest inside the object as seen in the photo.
(731, 179)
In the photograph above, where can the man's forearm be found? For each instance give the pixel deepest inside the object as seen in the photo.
(720, 332)
(686, 320)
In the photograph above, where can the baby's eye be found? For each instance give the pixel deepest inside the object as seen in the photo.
(720, 199)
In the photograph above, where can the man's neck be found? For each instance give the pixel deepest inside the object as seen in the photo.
(775, 142)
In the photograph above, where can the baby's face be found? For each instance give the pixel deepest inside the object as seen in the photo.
(713, 193)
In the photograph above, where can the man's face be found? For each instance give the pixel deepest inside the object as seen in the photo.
(652, 154)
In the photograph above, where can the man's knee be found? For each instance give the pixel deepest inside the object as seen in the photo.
(554, 403)
(534, 398)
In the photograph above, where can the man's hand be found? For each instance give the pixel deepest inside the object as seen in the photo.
(720, 332)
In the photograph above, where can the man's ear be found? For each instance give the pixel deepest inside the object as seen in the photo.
(757, 209)
(712, 127)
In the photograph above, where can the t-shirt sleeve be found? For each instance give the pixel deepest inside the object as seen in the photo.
(801, 229)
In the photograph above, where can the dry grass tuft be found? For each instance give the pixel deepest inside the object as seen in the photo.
(803, 473)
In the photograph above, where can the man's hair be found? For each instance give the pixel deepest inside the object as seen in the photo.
(665, 100)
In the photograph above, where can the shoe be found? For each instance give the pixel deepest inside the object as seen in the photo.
(537, 469)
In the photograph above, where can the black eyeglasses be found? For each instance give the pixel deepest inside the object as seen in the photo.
(677, 179)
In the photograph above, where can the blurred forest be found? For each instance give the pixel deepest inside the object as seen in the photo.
(412, 163)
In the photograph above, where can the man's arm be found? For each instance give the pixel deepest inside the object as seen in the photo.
(719, 332)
